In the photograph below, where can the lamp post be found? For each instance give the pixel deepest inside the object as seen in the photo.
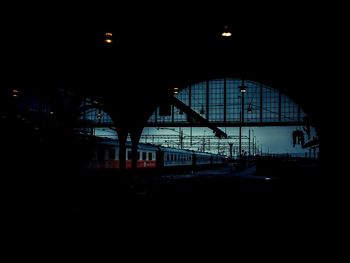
(230, 145)
(240, 135)
(241, 117)
(249, 142)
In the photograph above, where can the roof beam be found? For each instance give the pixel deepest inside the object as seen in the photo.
(196, 118)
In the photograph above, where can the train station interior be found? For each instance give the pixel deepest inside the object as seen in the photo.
(201, 111)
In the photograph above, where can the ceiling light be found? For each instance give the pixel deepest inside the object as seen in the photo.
(108, 37)
(226, 32)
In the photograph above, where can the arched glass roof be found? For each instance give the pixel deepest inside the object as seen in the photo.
(220, 101)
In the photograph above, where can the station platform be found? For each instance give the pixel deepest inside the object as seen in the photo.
(217, 191)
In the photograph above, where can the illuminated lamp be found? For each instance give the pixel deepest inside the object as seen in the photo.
(243, 89)
(226, 32)
(108, 38)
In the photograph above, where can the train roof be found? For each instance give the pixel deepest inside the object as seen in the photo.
(115, 142)
(149, 146)
(205, 153)
(175, 150)
(106, 141)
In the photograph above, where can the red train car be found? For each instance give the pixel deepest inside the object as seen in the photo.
(105, 155)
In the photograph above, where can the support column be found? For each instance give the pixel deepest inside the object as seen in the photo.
(122, 136)
(135, 138)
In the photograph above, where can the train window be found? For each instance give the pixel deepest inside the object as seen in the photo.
(144, 156)
(150, 156)
(111, 154)
(139, 157)
(128, 156)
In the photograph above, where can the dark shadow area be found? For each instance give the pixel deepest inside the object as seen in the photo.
(51, 183)
(42, 183)
(207, 196)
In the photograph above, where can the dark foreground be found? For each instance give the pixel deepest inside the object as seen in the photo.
(219, 193)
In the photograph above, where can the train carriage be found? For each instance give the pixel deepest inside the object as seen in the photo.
(105, 155)
(146, 156)
(172, 157)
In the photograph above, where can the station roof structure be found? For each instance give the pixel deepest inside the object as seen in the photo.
(156, 48)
